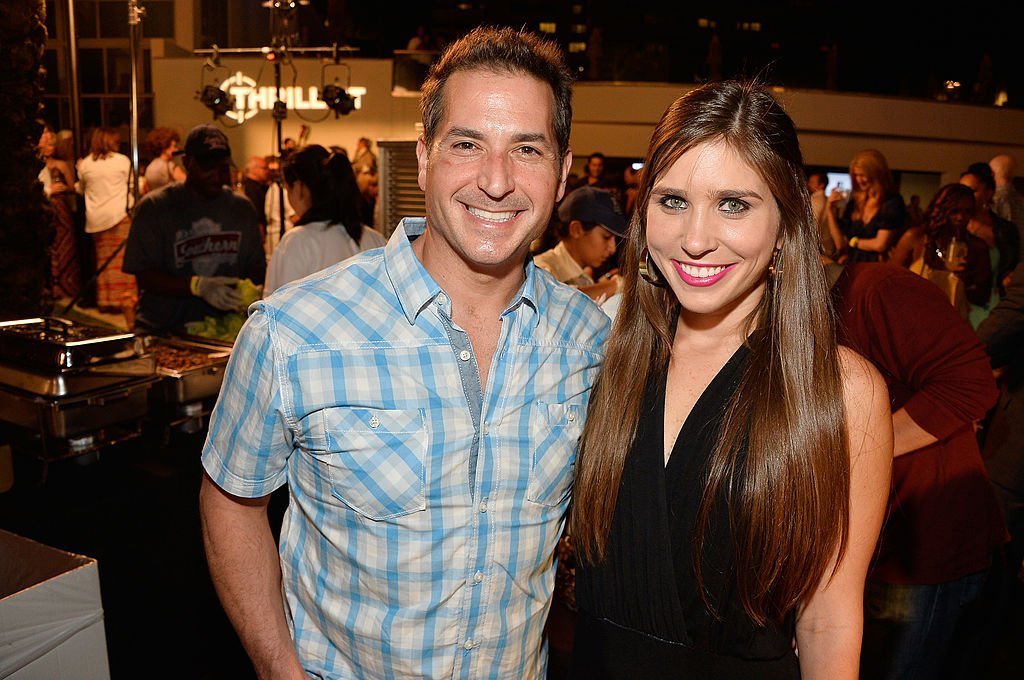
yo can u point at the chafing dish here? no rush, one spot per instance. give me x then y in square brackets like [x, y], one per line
[64, 382]
[51, 344]
[192, 370]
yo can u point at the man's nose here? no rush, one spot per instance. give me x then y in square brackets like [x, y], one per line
[495, 176]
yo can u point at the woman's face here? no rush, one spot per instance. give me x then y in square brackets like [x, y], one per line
[712, 224]
[861, 180]
[961, 214]
[47, 143]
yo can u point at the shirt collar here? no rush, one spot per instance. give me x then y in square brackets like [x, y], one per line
[415, 287]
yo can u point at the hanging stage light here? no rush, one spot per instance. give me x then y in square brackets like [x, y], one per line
[334, 95]
[337, 100]
[215, 99]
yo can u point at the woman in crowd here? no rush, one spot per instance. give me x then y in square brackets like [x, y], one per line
[103, 178]
[874, 216]
[1000, 236]
[58, 153]
[944, 252]
[162, 170]
[735, 463]
[322, 189]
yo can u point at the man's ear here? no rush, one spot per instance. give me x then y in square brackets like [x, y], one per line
[566, 164]
[421, 163]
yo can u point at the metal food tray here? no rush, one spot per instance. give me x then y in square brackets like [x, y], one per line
[193, 383]
[64, 417]
[55, 344]
[66, 383]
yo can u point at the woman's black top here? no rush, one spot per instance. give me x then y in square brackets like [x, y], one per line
[640, 614]
[891, 215]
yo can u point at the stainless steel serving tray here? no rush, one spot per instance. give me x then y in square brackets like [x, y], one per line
[65, 417]
[192, 370]
[52, 344]
[62, 384]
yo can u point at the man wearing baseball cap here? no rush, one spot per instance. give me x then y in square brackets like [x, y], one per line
[191, 241]
[590, 222]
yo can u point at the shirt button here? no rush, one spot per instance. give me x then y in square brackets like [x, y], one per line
[465, 355]
[478, 577]
[483, 506]
[572, 416]
[441, 300]
[487, 429]
[374, 422]
[468, 644]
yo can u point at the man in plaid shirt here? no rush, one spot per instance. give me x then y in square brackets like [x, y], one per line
[422, 402]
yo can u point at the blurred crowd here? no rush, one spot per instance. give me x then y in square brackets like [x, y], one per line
[203, 224]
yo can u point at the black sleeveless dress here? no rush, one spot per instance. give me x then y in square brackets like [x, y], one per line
[640, 615]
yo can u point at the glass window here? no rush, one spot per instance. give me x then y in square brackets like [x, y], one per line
[51, 20]
[52, 111]
[91, 115]
[85, 19]
[119, 70]
[159, 20]
[116, 111]
[213, 23]
[90, 70]
[114, 19]
[147, 72]
[50, 63]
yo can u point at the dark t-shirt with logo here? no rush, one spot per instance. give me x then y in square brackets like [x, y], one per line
[177, 233]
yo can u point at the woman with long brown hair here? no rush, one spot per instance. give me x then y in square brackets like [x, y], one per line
[874, 216]
[735, 463]
[944, 252]
[103, 177]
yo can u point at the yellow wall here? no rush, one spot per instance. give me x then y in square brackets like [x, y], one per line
[617, 118]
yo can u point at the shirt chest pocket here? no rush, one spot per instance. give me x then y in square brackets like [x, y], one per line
[376, 459]
[555, 430]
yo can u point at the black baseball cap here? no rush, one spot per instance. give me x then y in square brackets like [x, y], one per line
[206, 144]
[593, 205]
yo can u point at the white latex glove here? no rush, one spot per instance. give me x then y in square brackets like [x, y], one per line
[218, 291]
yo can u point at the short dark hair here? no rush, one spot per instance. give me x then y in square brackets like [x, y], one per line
[596, 154]
[501, 50]
[983, 172]
[332, 187]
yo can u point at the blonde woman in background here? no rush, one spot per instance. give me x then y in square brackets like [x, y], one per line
[874, 216]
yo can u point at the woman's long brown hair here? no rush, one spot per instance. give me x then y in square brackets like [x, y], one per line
[104, 142]
[788, 497]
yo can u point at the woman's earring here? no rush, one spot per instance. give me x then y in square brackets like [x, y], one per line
[775, 266]
[649, 271]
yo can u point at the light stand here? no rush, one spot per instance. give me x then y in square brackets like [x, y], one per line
[135, 14]
[282, 22]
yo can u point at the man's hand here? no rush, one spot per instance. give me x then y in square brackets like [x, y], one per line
[219, 291]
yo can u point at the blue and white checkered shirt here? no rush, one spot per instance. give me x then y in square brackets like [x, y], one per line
[354, 387]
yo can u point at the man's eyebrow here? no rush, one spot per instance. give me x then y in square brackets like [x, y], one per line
[531, 137]
[472, 133]
[464, 132]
